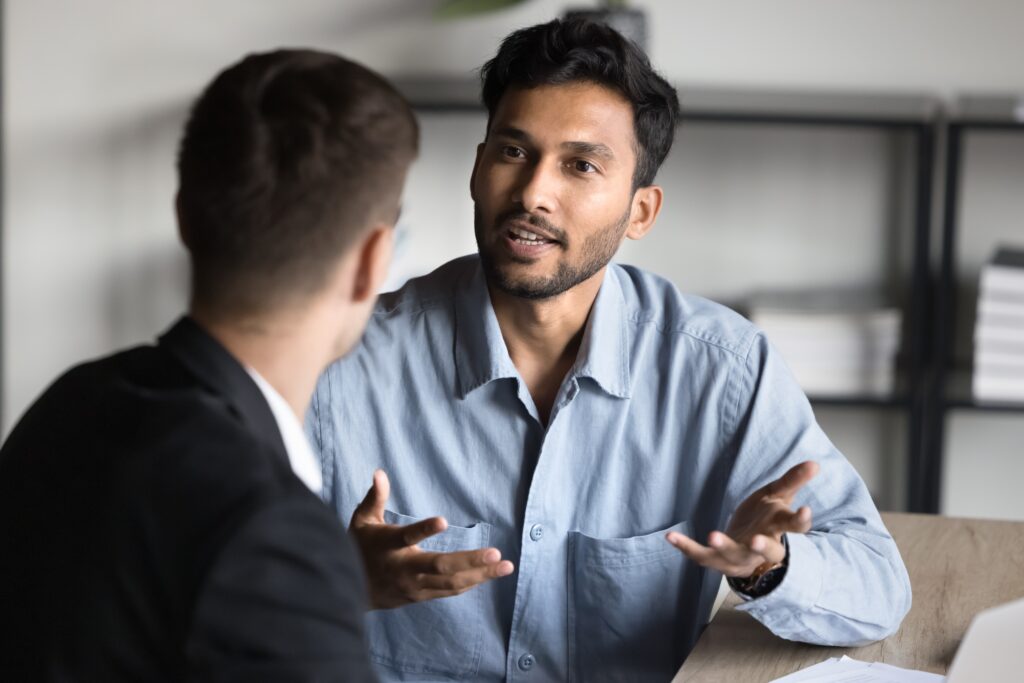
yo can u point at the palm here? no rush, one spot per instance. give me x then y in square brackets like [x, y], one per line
[760, 513]
[399, 571]
[755, 532]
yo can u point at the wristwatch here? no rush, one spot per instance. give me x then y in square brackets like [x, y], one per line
[765, 578]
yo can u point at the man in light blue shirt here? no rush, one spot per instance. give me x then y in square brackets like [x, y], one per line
[619, 444]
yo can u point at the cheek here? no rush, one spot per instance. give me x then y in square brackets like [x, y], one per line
[593, 207]
[485, 185]
[499, 178]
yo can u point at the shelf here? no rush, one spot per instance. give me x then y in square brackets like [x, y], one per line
[441, 94]
[997, 112]
[986, 406]
[958, 397]
[861, 401]
[806, 107]
[454, 94]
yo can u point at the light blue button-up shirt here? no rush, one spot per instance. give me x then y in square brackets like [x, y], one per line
[675, 411]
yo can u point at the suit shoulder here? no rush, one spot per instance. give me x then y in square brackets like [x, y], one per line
[76, 399]
[144, 415]
[100, 374]
[652, 301]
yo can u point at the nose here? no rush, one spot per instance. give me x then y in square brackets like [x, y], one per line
[538, 187]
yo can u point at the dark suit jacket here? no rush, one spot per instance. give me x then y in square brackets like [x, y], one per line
[151, 529]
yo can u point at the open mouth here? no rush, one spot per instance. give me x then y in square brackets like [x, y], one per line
[528, 238]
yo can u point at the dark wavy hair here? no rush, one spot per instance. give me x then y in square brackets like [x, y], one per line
[287, 157]
[578, 50]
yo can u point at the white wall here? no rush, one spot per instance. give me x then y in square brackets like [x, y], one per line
[96, 91]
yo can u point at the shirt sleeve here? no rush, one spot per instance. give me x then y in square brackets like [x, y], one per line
[846, 583]
[284, 601]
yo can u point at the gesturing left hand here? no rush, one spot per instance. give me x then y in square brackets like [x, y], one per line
[755, 533]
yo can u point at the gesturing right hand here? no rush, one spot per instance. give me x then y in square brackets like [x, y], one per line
[399, 572]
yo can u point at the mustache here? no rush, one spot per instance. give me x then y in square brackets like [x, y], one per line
[520, 214]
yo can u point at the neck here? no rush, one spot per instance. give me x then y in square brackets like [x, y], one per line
[286, 348]
[543, 336]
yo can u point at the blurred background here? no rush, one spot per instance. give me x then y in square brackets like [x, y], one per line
[844, 174]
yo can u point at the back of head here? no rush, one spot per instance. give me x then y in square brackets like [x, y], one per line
[578, 50]
[287, 158]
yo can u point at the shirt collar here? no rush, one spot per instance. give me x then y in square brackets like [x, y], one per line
[480, 352]
[481, 355]
[300, 454]
[604, 352]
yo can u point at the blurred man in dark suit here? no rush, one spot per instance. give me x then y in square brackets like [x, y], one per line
[159, 509]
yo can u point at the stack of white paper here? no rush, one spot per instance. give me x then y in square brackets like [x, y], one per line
[848, 670]
[999, 329]
[835, 343]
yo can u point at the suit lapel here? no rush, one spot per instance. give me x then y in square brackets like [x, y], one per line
[221, 373]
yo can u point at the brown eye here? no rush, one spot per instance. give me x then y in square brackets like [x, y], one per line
[584, 166]
[512, 152]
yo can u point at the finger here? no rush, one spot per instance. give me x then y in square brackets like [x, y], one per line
[709, 557]
[735, 553]
[449, 585]
[464, 580]
[800, 521]
[453, 563]
[784, 520]
[767, 548]
[793, 480]
[371, 509]
[692, 549]
[420, 531]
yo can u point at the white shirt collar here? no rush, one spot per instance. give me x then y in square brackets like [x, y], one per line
[300, 454]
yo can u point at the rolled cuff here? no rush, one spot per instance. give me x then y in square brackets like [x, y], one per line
[799, 589]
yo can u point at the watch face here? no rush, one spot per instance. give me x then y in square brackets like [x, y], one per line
[768, 581]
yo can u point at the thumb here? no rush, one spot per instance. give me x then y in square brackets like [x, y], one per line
[371, 509]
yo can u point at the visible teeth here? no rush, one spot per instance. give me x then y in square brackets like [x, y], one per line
[525, 234]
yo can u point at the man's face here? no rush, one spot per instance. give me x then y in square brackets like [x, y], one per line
[553, 187]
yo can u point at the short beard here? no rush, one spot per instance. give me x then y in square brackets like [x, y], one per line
[596, 253]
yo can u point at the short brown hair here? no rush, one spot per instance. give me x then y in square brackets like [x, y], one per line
[287, 157]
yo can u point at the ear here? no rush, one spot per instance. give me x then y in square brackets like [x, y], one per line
[476, 165]
[373, 260]
[644, 211]
[182, 228]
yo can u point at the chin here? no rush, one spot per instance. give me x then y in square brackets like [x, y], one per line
[533, 288]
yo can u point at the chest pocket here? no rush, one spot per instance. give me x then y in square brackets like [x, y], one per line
[438, 637]
[628, 600]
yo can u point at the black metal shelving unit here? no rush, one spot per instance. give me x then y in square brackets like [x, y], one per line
[909, 115]
[3, 154]
[901, 114]
[914, 116]
[950, 384]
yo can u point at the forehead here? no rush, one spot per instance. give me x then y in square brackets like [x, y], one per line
[574, 112]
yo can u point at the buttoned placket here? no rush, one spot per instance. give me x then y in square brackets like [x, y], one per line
[537, 538]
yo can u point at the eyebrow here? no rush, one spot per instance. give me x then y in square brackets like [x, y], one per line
[576, 146]
[512, 133]
[590, 149]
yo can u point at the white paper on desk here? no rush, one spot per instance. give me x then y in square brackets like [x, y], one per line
[848, 670]
[829, 666]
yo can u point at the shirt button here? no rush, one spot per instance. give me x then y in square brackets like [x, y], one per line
[536, 532]
[526, 662]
